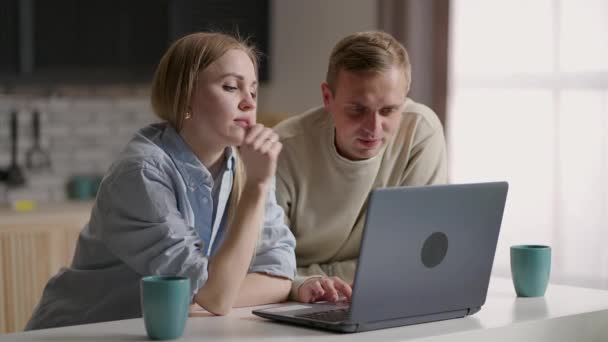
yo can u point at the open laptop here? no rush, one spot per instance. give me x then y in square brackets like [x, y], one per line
[426, 255]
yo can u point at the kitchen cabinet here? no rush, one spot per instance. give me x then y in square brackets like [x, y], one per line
[113, 41]
[33, 247]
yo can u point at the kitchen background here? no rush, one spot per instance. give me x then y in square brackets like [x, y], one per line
[81, 135]
[84, 126]
[522, 93]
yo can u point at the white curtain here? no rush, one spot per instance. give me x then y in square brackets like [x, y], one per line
[528, 103]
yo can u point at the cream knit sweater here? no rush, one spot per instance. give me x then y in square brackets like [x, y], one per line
[324, 195]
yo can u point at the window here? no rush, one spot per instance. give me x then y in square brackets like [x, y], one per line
[529, 104]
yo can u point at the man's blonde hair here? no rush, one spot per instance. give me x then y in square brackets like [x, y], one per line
[175, 81]
[374, 51]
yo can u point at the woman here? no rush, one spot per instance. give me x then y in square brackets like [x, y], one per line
[182, 200]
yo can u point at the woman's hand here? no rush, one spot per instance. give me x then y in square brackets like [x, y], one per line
[259, 152]
[331, 289]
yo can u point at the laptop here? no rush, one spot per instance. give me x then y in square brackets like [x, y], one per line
[426, 255]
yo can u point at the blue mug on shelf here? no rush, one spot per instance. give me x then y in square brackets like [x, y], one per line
[83, 187]
[79, 187]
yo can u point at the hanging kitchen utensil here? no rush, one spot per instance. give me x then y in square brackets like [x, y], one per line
[13, 175]
[36, 157]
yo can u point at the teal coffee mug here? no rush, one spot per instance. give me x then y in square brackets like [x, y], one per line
[165, 301]
[530, 269]
[79, 187]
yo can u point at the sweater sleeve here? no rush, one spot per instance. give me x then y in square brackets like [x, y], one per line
[428, 161]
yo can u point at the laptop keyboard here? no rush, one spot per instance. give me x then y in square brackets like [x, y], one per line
[336, 315]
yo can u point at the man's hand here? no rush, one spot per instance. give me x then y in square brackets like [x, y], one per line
[318, 289]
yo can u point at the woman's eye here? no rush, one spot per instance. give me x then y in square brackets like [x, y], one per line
[229, 88]
[254, 95]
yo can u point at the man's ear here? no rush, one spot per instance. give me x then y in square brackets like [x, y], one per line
[328, 95]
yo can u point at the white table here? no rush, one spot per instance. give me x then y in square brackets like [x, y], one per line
[564, 314]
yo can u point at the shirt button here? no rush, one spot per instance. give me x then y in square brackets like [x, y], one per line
[205, 200]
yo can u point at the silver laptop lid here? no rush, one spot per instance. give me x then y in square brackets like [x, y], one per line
[427, 250]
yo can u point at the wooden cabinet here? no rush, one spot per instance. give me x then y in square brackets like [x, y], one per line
[33, 247]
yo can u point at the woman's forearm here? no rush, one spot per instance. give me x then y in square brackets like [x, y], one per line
[258, 289]
[228, 268]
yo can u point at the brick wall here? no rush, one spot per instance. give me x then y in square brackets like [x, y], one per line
[82, 134]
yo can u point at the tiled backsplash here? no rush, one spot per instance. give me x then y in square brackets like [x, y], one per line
[83, 135]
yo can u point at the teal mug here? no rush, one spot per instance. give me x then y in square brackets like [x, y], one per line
[165, 301]
[79, 187]
[530, 269]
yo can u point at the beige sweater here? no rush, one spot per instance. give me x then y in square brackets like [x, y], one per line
[325, 195]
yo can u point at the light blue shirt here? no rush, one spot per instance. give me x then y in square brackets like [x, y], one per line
[155, 214]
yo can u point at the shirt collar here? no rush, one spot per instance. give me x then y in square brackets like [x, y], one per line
[194, 172]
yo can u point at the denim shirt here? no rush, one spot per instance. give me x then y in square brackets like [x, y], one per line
[154, 215]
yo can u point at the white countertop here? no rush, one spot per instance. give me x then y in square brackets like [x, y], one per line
[564, 314]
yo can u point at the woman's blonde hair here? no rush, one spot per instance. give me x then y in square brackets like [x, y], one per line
[176, 75]
[175, 81]
[375, 51]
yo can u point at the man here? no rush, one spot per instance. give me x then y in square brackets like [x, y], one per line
[367, 135]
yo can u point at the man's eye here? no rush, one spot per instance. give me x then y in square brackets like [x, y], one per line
[387, 111]
[229, 88]
[357, 110]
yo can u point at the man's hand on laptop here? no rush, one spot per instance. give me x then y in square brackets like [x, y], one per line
[321, 289]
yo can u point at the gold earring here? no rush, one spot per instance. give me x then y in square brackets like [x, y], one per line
[188, 115]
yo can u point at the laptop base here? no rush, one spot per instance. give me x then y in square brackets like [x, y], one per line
[351, 327]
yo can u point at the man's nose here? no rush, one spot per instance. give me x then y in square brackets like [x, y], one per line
[372, 122]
